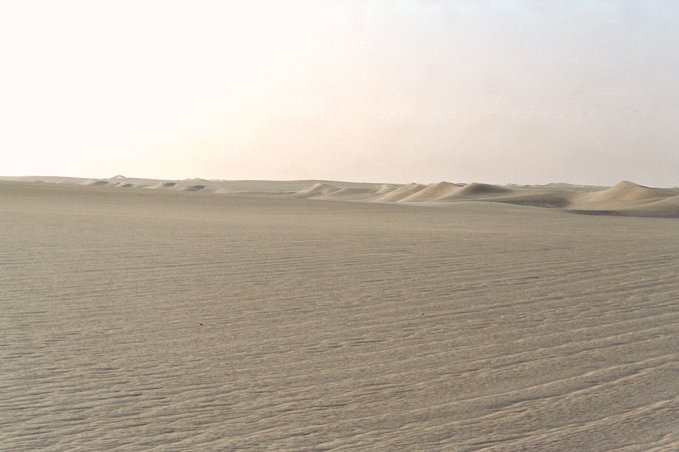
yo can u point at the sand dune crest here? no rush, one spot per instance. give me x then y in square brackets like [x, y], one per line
[318, 189]
[400, 193]
[626, 191]
[434, 192]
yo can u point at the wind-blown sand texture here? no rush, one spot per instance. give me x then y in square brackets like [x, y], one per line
[271, 316]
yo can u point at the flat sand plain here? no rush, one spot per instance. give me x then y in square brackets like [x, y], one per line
[180, 319]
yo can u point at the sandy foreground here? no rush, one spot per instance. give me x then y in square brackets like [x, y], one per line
[277, 316]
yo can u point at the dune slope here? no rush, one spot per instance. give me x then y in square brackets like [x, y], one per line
[399, 193]
[433, 192]
[626, 191]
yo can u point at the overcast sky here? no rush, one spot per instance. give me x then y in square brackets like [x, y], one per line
[392, 91]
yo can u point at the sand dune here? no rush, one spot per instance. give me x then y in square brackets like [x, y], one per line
[476, 189]
[175, 185]
[164, 184]
[627, 198]
[238, 322]
[330, 192]
[352, 194]
[96, 182]
[448, 192]
[434, 192]
[665, 207]
[196, 180]
[385, 188]
[399, 193]
[626, 192]
[537, 199]
[196, 187]
[624, 198]
[318, 189]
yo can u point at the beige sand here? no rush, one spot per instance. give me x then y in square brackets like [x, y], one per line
[625, 198]
[163, 318]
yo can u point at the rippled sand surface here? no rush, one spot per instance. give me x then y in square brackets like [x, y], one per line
[178, 320]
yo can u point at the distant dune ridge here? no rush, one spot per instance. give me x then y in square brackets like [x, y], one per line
[625, 198]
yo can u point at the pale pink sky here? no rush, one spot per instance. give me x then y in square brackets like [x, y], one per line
[397, 91]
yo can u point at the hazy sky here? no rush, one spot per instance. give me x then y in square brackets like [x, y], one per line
[394, 91]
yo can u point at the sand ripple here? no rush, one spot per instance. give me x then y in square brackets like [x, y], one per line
[141, 319]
